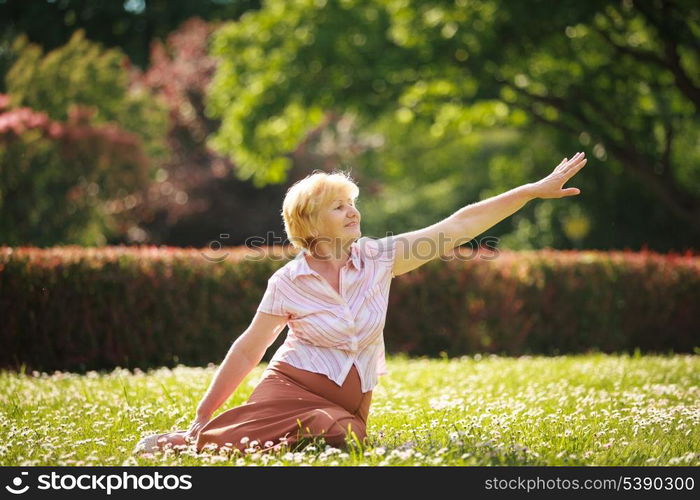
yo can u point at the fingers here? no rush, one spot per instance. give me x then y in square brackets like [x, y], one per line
[194, 430]
[572, 169]
[191, 433]
[575, 164]
[191, 436]
[576, 158]
[567, 164]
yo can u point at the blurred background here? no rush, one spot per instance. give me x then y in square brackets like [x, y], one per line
[173, 122]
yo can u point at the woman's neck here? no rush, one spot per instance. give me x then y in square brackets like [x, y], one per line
[325, 258]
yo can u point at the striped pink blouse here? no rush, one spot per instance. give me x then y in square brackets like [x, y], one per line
[329, 332]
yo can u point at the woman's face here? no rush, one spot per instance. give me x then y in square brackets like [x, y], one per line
[339, 222]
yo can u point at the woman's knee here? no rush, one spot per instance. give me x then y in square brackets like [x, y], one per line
[333, 425]
[347, 428]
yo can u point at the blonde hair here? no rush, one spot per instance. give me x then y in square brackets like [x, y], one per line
[305, 199]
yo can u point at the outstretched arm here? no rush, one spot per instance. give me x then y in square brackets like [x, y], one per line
[415, 248]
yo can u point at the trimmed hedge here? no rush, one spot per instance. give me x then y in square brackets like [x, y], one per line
[548, 302]
[77, 309]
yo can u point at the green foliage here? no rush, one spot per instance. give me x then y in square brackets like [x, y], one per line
[422, 177]
[76, 144]
[83, 73]
[62, 182]
[130, 25]
[591, 76]
[29, 214]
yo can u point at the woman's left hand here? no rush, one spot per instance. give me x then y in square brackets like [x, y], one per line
[196, 426]
[551, 186]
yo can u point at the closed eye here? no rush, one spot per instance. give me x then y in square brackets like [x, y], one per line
[341, 206]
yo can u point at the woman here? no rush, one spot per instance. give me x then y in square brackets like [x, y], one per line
[333, 296]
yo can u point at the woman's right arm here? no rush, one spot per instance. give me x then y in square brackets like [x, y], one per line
[244, 355]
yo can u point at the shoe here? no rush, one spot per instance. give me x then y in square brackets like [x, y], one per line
[149, 444]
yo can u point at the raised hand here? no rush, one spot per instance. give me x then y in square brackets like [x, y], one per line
[551, 186]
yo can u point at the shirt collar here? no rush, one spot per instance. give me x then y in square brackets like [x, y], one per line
[300, 266]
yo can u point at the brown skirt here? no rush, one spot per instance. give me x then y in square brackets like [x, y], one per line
[293, 406]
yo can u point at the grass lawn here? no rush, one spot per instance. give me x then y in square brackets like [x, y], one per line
[570, 410]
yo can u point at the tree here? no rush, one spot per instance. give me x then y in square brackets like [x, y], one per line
[59, 180]
[97, 78]
[195, 196]
[571, 68]
[129, 25]
[77, 144]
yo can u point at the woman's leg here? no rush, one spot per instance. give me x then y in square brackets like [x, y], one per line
[284, 397]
